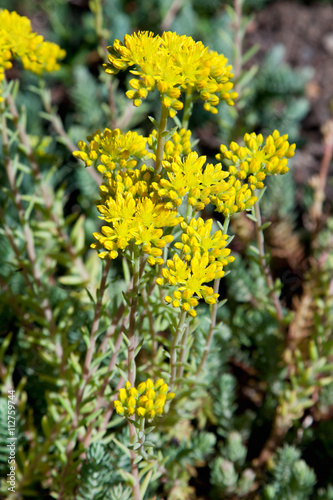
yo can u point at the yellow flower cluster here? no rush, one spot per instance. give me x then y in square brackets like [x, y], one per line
[202, 259]
[173, 64]
[254, 161]
[137, 219]
[146, 401]
[128, 201]
[18, 41]
[178, 145]
[249, 166]
[196, 237]
[111, 148]
[187, 176]
[137, 203]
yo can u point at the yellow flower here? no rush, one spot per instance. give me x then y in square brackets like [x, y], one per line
[172, 64]
[202, 258]
[149, 404]
[249, 166]
[112, 149]
[203, 184]
[254, 161]
[189, 277]
[139, 220]
[18, 41]
[141, 411]
[197, 237]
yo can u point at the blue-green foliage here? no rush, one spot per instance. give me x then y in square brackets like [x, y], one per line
[293, 479]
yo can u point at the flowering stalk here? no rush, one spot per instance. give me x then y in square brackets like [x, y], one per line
[177, 336]
[213, 313]
[131, 366]
[265, 267]
[87, 372]
[161, 138]
[184, 353]
[134, 466]
[132, 336]
[142, 403]
[187, 108]
[148, 313]
[141, 434]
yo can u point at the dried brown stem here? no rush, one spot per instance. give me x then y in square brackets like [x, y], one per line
[316, 210]
[238, 41]
[171, 14]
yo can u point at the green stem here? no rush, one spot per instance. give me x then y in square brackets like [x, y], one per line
[87, 372]
[264, 265]
[187, 108]
[132, 335]
[173, 355]
[189, 212]
[141, 450]
[148, 313]
[184, 352]
[161, 139]
[213, 313]
[226, 224]
[133, 340]
[134, 466]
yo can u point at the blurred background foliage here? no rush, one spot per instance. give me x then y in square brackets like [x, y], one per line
[264, 383]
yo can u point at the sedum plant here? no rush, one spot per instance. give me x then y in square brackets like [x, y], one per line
[122, 348]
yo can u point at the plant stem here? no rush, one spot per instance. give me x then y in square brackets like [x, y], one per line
[210, 335]
[133, 340]
[173, 354]
[226, 224]
[141, 450]
[189, 212]
[96, 320]
[101, 391]
[316, 210]
[101, 34]
[87, 373]
[132, 335]
[184, 352]
[171, 14]
[265, 267]
[160, 139]
[148, 313]
[238, 41]
[187, 108]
